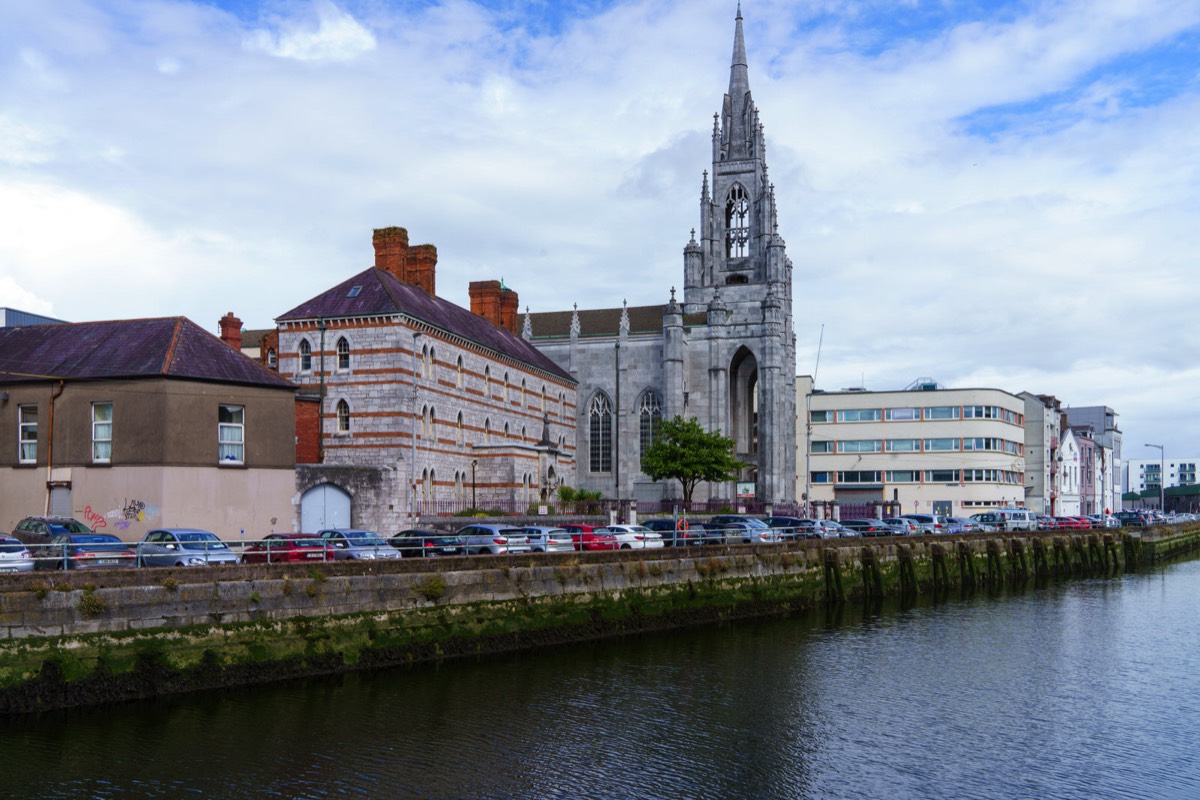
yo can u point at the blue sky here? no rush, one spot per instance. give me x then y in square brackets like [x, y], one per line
[988, 193]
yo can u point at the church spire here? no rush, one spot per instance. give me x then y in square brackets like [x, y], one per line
[739, 107]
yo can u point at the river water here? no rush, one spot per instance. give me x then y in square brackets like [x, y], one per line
[1083, 690]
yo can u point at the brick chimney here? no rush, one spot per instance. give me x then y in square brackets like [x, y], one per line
[231, 331]
[496, 303]
[416, 265]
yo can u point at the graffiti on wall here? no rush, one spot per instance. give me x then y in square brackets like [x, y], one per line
[124, 515]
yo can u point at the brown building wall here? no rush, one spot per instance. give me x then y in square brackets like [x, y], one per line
[155, 422]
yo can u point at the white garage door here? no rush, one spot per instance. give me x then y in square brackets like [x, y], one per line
[324, 506]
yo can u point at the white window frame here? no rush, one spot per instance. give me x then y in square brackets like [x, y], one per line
[27, 434]
[231, 436]
[304, 355]
[101, 441]
[343, 354]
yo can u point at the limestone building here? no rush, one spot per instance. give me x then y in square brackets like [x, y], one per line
[724, 353]
[425, 407]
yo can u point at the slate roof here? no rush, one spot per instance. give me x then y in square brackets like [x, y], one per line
[170, 347]
[380, 294]
[605, 321]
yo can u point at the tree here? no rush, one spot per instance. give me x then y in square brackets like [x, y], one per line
[684, 451]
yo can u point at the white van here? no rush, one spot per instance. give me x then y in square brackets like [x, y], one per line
[1018, 519]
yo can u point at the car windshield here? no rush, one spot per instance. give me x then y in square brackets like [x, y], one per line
[95, 538]
[68, 527]
[9, 546]
[201, 540]
[303, 541]
[364, 539]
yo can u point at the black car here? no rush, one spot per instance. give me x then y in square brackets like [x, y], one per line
[794, 527]
[868, 527]
[677, 533]
[37, 530]
[425, 544]
[1132, 519]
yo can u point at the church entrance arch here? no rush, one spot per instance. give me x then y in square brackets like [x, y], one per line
[324, 506]
[743, 404]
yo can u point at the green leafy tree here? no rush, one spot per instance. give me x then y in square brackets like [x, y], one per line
[685, 452]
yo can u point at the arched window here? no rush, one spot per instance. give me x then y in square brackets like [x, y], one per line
[305, 356]
[542, 407]
[272, 361]
[523, 433]
[487, 431]
[649, 417]
[458, 429]
[459, 373]
[523, 395]
[433, 423]
[737, 223]
[432, 365]
[505, 396]
[343, 416]
[506, 431]
[600, 413]
[458, 487]
[343, 354]
[424, 434]
[487, 382]
[425, 362]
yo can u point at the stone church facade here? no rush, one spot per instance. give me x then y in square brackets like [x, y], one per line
[724, 353]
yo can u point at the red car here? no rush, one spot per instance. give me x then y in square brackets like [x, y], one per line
[586, 537]
[287, 548]
[1071, 524]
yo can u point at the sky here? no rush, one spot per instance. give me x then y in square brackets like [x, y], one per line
[986, 193]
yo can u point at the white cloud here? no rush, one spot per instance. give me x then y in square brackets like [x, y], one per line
[337, 36]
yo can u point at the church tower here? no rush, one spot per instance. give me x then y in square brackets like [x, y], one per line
[738, 273]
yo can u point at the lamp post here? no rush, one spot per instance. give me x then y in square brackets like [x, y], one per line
[1162, 478]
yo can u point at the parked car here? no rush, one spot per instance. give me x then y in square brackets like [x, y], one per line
[588, 537]
[494, 539]
[1046, 523]
[1070, 524]
[902, 526]
[818, 528]
[84, 551]
[353, 544]
[968, 525]
[634, 536]
[680, 532]
[792, 527]
[743, 532]
[184, 547]
[14, 555]
[868, 527]
[427, 544]
[930, 523]
[1135, 519]
[34, 530]
[287, 548]
[547, 539]
[725, 519]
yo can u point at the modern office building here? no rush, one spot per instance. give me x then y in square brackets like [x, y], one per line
[927, 448]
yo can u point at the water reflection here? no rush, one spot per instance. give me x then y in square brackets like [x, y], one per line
[1080, 691]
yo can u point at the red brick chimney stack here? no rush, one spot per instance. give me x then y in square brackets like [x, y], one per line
[231, 331]
[416, 265]
[496, 303]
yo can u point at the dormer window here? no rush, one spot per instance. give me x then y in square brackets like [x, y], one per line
[354, 291]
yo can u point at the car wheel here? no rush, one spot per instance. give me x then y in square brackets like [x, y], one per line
[625, 547]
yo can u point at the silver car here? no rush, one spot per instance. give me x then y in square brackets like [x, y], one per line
[352, 544]
[184, 547]
[494, 539]
[545, 539]
[14, 555]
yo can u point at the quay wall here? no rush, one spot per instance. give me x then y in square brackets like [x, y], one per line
[73, 639]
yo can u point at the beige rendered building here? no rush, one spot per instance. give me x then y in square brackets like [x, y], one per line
[929, 449]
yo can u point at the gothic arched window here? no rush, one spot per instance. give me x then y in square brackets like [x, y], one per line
[343, 353]
[737, 223]
[600, 426]
[343, 416]
[305, 356]
[649, 417]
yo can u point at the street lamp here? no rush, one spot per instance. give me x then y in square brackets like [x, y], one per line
[1162, 478]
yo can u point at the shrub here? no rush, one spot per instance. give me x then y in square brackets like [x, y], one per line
[432, 588]
[90, 605]
[170, 584]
